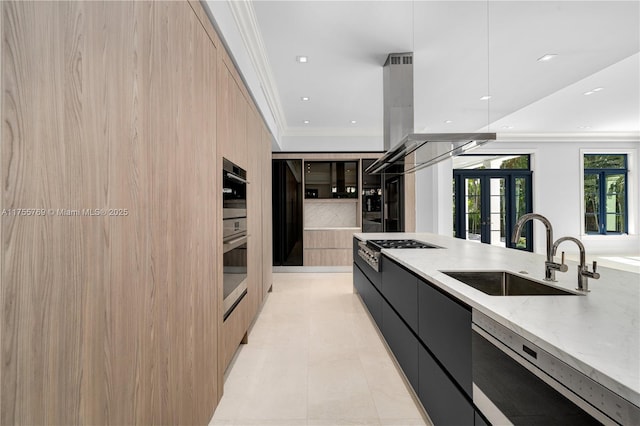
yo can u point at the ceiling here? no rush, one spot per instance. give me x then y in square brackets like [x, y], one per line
[463, 50]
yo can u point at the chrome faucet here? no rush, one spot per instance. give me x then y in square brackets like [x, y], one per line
[583, 271]
[550, 267]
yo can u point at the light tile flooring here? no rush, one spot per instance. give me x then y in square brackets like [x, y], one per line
[314, 358]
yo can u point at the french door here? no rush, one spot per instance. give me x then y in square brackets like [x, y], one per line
[487, 204]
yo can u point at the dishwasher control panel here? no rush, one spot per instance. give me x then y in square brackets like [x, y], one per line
[556, 373]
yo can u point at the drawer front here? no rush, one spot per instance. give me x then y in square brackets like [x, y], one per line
[402, 342]
[445, 328]
[444, 403]
[400, 288]
[369, 295]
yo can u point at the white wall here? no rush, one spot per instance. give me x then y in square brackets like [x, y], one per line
[557, 193]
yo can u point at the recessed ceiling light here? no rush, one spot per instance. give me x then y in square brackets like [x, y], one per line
[547, 57]
[353, 121]
[485, 98]
[305, 98]
[302, 59]
[448, 121]
[584, 127]
[507, 127]
[592, 91]
[306, 121]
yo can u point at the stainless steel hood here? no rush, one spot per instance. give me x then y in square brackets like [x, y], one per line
[429, 148]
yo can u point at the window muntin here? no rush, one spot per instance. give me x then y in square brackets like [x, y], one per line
[605, 193]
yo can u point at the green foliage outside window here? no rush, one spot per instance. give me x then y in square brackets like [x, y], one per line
[605, 193]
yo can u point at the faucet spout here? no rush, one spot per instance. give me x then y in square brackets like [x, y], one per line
[583, 270]
[549, 273]
[575, 240]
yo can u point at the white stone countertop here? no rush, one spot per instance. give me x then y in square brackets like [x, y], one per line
[597, 334]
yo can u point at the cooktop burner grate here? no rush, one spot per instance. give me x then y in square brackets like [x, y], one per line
[397, 244]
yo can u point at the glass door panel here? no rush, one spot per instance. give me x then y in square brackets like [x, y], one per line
[497, 212]
[521, 208]
[473, 212]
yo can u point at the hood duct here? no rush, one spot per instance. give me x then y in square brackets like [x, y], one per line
[430, 148]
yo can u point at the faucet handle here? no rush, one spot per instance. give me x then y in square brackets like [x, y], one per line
[553, 266]
[595, 275]
[563, 267]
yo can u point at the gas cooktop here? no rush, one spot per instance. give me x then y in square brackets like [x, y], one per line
[397, 244]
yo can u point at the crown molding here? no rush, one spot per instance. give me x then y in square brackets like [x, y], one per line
[244, 15]
[569, 137]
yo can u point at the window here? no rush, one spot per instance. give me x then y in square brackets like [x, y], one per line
[605, 193]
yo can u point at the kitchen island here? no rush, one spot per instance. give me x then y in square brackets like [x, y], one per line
[595, 334]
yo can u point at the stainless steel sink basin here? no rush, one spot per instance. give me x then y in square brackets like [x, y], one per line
[503, 283]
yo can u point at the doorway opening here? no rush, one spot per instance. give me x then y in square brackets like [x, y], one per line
[490, 193]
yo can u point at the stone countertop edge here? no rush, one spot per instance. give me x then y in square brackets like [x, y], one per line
[597, 334]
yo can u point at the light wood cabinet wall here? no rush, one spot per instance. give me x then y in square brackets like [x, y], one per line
[254, 212]
[267, 214]
[118, 105]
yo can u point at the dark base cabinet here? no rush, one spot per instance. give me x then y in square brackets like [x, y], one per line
[445, 328]
[429, 334]
[402, 342]
[442, 400]
[400, 288]
[369, 295]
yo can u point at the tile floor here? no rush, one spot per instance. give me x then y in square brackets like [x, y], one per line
[314, 358]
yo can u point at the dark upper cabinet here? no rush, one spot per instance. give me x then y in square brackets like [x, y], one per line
[445, 328]
[400, 288]
[331, 179]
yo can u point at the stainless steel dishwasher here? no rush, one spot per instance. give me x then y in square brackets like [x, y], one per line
[516, 382]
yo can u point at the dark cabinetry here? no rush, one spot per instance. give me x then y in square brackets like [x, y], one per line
[445, 328]
[443, 401]
[369, 295]
[400, 288]
[429, 334]
[402, 342]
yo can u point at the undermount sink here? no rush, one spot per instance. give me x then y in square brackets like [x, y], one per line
[503, 283]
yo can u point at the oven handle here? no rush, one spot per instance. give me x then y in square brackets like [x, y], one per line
[237, 178]
[231, 244]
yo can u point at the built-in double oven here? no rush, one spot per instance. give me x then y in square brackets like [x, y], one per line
[234, 243]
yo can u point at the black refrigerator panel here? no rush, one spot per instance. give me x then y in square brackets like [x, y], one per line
[393, 203]
[287, 212]
[371, 200]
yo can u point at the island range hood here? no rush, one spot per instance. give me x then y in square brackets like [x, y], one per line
[429, 148]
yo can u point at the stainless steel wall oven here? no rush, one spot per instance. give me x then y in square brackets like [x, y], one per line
[234, 243]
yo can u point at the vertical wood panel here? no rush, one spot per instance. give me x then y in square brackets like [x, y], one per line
[108, 319]
[267, 209]
[254, 214]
